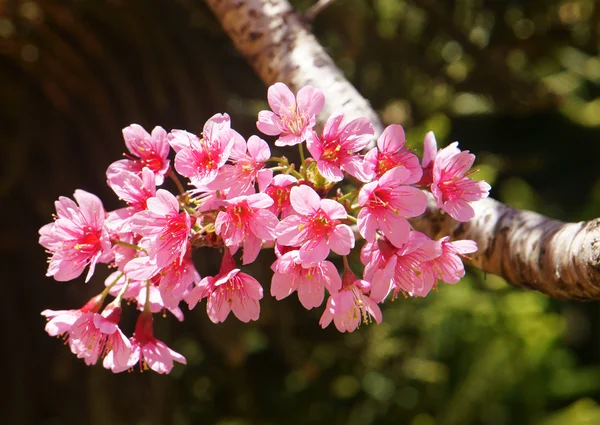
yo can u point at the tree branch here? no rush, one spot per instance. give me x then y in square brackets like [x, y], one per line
[529, 250]
[279, 47]
[561, 260]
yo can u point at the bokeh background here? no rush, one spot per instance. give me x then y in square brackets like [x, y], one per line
[516, 82]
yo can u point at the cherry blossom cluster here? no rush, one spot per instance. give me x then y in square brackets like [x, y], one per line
[239, 200]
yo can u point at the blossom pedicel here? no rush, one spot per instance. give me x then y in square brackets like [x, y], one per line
[236, 199]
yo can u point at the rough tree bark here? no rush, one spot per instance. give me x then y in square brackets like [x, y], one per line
[529, 250]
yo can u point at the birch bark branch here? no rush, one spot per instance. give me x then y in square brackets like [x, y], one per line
[561, 260]
[529, 250]
[278, 45]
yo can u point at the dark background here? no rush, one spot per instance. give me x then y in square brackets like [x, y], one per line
[516, 82]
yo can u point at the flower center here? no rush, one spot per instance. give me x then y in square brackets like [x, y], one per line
[280, 196]
[176, 224]
[321, 224]
[449, 189]
[379, 198]
[295, 124]
[90, 236]
[331, 151]
[153, 162]
[385, 162]
[239, 212]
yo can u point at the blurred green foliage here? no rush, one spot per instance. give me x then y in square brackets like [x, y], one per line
[516, 82]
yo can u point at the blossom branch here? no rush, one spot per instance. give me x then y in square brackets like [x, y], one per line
[559, 259]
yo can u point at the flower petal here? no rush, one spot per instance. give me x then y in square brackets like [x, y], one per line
[304, 200]
[281, 100]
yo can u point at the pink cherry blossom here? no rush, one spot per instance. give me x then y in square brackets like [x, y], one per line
[317, 228]
[350, 306]
[414, 273]
[93, 335]
[135, 189]
[386, 202]
[145, 349]
[147, 150]
[248, 168]
[390, 153]
[230, 290]
[172, 282]
[290, 276]
[380, 260]
[292, 118]
[233, 200]
[452, 189]
[61, 321]
[200, 159]
[279, 190]
[176, 280]
[165, 229]
[247, 221]
[337, 149]
[77, 238]
[449, 267]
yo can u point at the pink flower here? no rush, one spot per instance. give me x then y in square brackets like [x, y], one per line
[230, 290]
[413, 271]
[135, 189]
[247, 221]
[317, 228]
[386, 203]
[452, 189]
[176, 280]
[248, 168]
[146, 350]
[414, 274]
[61, 321]
[165, 229]
[92, 335]
[348, 307]
[292, 118]
[172, 282]
[279, 191]
[77, 237]
[200, 159]
[391, 153]
[147, 151]
[310, 282]
[336, 150]
[380, 265]
[449, 267]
